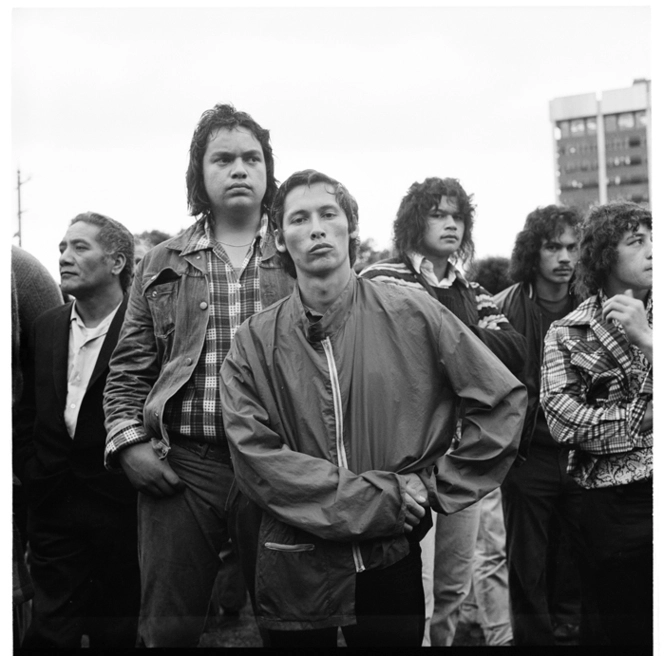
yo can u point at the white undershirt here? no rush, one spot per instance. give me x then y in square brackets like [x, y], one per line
[84, 347]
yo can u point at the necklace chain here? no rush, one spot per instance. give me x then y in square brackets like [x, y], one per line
[236, 245]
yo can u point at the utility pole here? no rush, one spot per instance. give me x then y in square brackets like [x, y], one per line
[19, 184]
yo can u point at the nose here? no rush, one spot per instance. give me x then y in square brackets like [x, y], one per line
[317, 228]
[449, 223]
[65, 256]
[239, 170]
[565, 255]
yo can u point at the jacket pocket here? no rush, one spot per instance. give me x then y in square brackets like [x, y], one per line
[292, 548]
[161, 300]
[292, 583]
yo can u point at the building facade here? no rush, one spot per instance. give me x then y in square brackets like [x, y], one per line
[602, 146]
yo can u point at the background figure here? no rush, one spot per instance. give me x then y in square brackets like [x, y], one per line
[432, 232]
[165, 426]
[543, 262]
[81, 519]
[597, 393]
[33, 291]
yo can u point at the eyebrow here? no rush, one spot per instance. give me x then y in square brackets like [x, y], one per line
[225, 151]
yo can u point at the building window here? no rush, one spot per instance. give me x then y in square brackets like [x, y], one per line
[610, 123]
[642, 119]
[591, 125]
[626, 121]
[564, 128]
[578, 126]
[634, 142]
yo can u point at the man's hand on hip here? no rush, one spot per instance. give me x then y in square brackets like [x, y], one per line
[147, 472]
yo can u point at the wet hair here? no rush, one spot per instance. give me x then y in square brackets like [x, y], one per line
[542, 225]
[343, 197]
[114, 238]
[602, 230]
[211, 121]
[411, 223]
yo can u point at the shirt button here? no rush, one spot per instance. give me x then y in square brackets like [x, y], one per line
[188, 360]
[156, 414]
[73, 405]
[203, 305]
[154, 293]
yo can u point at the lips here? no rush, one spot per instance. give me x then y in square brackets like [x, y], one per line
[562, 271]
[320, 247]
[239, 187]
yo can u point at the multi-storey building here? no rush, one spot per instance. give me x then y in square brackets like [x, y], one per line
[602, 144]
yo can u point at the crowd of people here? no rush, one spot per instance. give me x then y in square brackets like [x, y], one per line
[365, 451]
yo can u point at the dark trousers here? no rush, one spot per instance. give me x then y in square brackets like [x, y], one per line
[84, 566]
[617, 523]
[535, 495]
[389, 605]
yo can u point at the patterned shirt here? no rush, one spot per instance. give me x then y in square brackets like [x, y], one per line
[234, 296]
[595, 390]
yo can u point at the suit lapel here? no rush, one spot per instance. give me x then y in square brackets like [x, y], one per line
[110, 340]
[60, 345]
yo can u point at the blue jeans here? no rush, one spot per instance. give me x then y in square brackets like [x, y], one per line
[469, 549]
[180, 538]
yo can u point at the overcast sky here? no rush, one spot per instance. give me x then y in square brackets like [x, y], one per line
[104, 102]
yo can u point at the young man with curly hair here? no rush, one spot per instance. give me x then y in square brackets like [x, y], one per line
[597, 394]
[541, 501]
[164, 420]
[340, 404]
[432, 234]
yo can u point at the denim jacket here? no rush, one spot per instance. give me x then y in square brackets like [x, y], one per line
[163, 336]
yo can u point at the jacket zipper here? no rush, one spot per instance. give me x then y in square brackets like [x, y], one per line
[342, 460]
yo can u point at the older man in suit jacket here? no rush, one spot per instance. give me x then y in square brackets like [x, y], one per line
[81, 518]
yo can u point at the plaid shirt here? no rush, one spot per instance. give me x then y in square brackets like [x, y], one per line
[234, 296]
[594, 392]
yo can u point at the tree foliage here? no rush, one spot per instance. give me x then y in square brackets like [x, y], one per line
[491, 272]
[367, 254]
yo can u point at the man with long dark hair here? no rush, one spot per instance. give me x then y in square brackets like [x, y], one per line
[165, 427]
[597, 394]
[340, 403]
[541, 501]
[433, 237]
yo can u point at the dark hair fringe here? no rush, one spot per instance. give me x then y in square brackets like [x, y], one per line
[542, 225]
[223, 116]
[602, 229]
[410, 225]
[343, 197]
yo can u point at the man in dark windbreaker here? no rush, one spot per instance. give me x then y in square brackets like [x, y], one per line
[339, 404]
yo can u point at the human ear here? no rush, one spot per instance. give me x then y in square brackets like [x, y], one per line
[119, 261]
[279, 240]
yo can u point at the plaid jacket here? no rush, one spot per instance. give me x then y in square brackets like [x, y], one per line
[589, 402]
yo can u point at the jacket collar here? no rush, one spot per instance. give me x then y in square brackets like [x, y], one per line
[452, 273]
[333, 319]
[197, 237]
